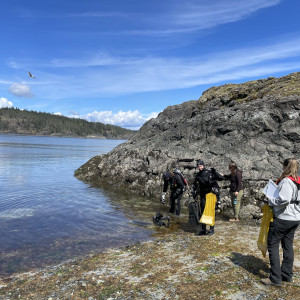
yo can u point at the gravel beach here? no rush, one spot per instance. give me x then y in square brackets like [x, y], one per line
[175, 265]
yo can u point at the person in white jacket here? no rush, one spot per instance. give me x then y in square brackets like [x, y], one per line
[286, 209]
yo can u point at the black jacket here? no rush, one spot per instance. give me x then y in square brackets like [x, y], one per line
[235, 181]
[175, 182]
[205, 181]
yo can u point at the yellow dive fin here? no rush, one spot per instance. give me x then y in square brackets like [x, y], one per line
[262, 242]
[208, 216]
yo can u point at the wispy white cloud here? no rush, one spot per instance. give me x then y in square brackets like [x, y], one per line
[13, 64]
[169, 17]
[5, 82]
[134, 75]
[21, 90]
[99, 59]
[197, 15]
[205, 14]
[97, 14]
[5, 103]
[154, 74]
[121, 75]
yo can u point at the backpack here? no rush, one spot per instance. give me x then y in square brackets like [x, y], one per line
[185, 183]
[297, 200]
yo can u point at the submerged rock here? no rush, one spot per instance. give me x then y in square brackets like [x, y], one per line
[255, 124]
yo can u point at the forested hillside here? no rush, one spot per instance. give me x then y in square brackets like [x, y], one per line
[16, 121]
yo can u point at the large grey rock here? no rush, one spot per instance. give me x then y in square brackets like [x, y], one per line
[220, 127]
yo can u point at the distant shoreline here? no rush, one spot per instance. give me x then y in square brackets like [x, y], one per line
[64, 136]
[32, 123]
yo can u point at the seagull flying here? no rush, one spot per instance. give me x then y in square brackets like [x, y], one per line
[30, 75]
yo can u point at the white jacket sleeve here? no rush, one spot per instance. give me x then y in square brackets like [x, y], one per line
[285, 195]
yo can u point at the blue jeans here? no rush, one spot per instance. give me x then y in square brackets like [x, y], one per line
[281, 231]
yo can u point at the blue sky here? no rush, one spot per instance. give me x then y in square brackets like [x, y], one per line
[123, 61]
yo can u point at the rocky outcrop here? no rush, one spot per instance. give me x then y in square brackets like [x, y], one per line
[255, 124]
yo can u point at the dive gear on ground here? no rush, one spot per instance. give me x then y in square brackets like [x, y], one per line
[160, 220]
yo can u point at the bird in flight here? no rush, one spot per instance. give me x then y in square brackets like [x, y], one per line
[30, 75]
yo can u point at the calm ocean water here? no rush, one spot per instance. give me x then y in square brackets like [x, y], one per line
[47, 215]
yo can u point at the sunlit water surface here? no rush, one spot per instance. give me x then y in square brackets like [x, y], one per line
[47, 215]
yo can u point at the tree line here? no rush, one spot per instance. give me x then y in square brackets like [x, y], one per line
[17, 121]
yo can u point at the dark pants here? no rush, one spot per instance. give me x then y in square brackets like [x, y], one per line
[202, 206]
[175, 202]
[281, 231]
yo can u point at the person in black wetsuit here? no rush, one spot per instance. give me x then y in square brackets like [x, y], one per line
[205, 182]
[175, 181]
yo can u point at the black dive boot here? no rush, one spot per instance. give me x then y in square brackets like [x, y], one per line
[203, 230]
[211, 231]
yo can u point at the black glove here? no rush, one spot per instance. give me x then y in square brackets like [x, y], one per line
[215, 191]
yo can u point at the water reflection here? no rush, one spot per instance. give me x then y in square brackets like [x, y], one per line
[47, 215]
[122, 221]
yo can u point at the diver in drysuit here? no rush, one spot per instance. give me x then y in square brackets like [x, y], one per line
[175, 180]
